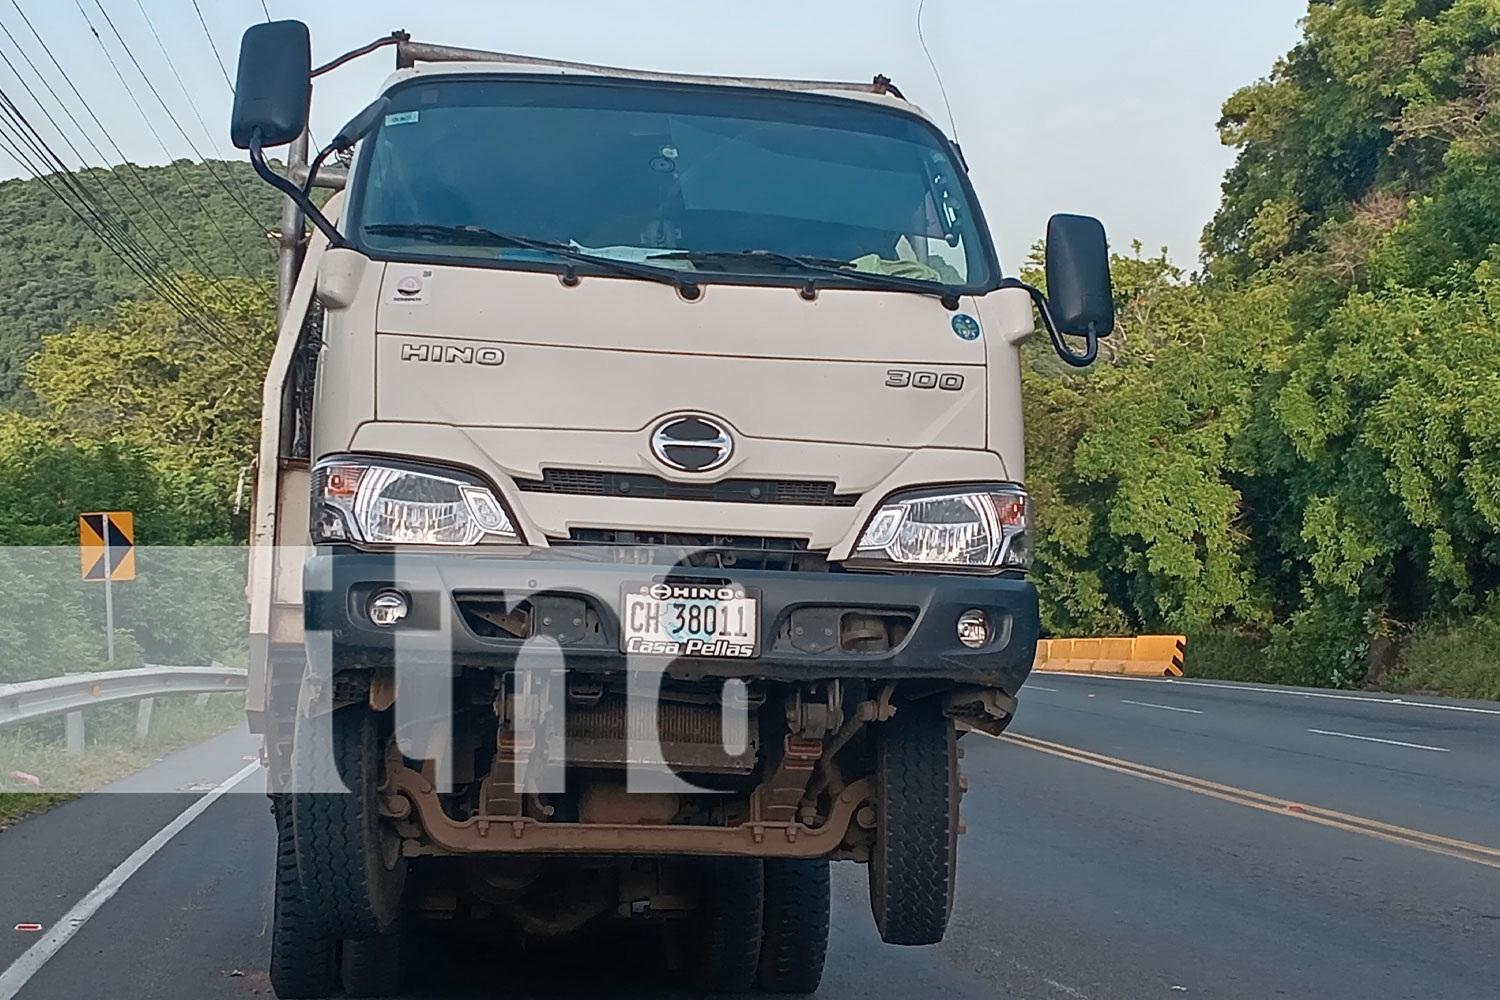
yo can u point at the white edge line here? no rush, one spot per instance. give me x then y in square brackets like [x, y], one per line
[1376, 739]
[1168, 708]
[13, 979]
[1260, 689]
[1037, 687]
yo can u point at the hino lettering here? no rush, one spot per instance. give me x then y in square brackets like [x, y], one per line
[449, 354]
[675, 592]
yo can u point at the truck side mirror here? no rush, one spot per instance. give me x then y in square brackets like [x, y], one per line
[273, 89]
[1079, 290]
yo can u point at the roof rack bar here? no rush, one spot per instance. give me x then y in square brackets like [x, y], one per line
[394, 38]
[409, 53]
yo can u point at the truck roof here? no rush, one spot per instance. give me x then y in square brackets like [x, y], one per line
[432, 61]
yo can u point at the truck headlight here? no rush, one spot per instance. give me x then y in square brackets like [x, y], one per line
[358, 500]
[978, 527]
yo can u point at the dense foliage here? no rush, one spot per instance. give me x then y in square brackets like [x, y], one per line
[207, 218]
[1302, 444]
[147, 413]
[116, 402]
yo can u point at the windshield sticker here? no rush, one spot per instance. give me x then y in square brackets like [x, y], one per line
[404, 118]
[412, 288]
[966, 326]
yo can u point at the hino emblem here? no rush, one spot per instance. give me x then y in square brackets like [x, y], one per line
[691, 444]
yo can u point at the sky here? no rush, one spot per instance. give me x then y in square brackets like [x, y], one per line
[1099, 107]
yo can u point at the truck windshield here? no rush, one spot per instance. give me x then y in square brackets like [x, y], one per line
[711, 180]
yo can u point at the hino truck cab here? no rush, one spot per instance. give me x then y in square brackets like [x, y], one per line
[639, 519]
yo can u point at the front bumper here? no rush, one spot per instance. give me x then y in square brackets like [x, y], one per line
[574, 604]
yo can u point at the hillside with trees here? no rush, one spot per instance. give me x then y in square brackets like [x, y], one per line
[1295, 456]
[55, 272]
[110, 399]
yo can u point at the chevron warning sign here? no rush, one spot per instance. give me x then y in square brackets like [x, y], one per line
[118, 528]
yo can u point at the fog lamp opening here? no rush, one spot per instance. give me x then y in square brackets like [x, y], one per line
[974, 629]
[387, 607]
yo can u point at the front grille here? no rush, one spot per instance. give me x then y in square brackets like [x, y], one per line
[700, 551]
[594, 483]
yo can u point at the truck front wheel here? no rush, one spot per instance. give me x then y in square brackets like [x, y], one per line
[349, 860]
[304, 958]
[726, 930]
[915, 860]
[796, 926]
[374, 967]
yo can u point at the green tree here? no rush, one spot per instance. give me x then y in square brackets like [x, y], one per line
[1374, 99]
[152, 381]
[55, 273]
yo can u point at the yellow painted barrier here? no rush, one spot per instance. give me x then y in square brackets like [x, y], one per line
[1142, 656]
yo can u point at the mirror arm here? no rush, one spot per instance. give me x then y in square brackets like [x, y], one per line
[314, 167]
[297, 194]
[1091, 350]
[357, 128]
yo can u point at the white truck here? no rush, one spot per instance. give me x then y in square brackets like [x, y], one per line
[639, 519]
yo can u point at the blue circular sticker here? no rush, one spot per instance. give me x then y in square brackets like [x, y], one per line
[966, 326]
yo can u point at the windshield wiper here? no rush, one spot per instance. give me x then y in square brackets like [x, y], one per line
[479, 236]
[808, 264]
[719, 257]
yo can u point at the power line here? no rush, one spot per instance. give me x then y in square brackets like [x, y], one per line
[214, 222]
[210, 35]
[192, 104]
[58, 175]
[139, 255]
[83, 171]
[249, 212]
[17, 135]
[952, 125]
[140, 239]
[128, 171]
[266, 9]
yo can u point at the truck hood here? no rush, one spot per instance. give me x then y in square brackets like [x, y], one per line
[487, 348]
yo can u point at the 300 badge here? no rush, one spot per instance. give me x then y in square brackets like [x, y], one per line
[902, 378]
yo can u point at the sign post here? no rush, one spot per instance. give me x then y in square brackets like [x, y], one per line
[109, 614]
[107, 553]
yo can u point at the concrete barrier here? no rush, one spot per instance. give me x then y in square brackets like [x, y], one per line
[1142, 656]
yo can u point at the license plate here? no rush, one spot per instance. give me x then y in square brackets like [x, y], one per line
[689, 619]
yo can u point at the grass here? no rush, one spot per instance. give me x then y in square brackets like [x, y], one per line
[112, 751]
[1227, 656]
[1459, 660]
[1450, 659]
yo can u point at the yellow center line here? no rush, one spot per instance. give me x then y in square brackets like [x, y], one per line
[1463, 850]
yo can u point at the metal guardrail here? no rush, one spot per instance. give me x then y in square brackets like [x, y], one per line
[70, 694]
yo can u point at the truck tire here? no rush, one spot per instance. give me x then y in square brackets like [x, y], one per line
[304, 959]
[796, 926]
[350, 862]
[373, 967]
[915, 860]
[728, 925]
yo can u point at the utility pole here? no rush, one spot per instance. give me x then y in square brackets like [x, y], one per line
[292, 221]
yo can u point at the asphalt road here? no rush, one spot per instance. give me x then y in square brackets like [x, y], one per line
[1135, 839]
